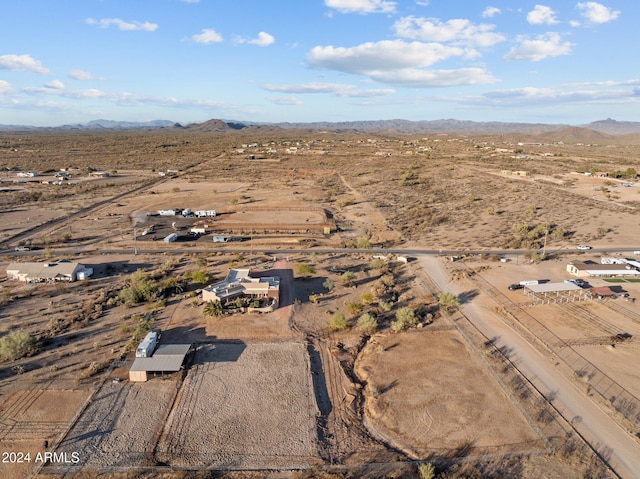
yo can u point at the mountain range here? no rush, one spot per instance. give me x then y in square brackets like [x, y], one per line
[608, 126]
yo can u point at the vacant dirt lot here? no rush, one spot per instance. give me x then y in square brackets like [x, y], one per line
[441, 397]
[244, 406]
[117, 428]
[30, 417]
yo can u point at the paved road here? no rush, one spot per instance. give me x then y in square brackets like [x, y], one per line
[589, 420]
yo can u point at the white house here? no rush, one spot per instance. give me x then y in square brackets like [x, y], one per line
[240, 283]
[47, 272]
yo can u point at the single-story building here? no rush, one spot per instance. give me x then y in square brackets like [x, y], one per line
[239, 282]
[168, 358]
[589, 269]
[48, 272]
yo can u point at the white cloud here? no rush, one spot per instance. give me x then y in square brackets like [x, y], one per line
[424, 3]
[542, 14]
[491, 12]
[397, 62]
[122, 25]
[457, 31]
[263, 40]
[362, 6]
[418, 78]
[379, 56]
[338, 89]
[207, 36]
[191, 1]
[5, 87]
[552, 95]
[55, 84]
[543, 46]
[285, 100]
[82, 75]
[597, 13]
[21, 63]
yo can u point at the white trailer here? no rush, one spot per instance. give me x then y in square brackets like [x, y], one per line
[147, 346]
[203, 213]
[167, 212]
[171, 238]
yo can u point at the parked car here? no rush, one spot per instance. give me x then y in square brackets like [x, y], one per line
[22, 248]
[578, 282]
[514, 286]
[583, 247]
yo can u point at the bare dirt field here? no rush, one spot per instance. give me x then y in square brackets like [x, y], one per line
[28, 418]
[118, 427]
[441, 399]
[244, 406]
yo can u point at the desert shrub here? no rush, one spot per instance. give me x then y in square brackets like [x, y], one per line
[355, 308]
[200, 277]
[385, 306]
[367, 324]
[448, 300]
[348, 278]
[363, 243]
[304, 270]
[376, 263]
[16, 345]
[426, 470]
[405, 319]
[338, 322]
[328, 284]
[367, 298]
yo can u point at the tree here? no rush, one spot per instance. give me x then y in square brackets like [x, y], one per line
[405, 318]
[348, 278]
[304, 270]
[338, 322]
[448, 301]
[328, 284]
[16, 345]
[367, 324]
[200, 277]
[213, 308]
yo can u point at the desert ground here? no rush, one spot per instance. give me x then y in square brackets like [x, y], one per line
[308, 389]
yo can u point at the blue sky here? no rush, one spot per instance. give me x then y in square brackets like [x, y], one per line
[71, 61]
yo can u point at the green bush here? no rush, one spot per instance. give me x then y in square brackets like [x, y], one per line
[367, 324]
[16, 345]
[405, 318]
[338, 322]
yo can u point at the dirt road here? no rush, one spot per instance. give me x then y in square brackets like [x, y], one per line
[588, 419]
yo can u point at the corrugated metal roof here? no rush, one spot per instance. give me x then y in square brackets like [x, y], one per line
[553, 287]
[167, 358]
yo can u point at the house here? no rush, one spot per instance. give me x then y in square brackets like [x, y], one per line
[589, 269]
[239, 282]
[47, 272]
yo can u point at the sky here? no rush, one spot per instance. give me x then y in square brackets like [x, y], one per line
[562, 61]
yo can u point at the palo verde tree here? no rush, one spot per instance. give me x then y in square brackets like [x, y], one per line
[305, 270]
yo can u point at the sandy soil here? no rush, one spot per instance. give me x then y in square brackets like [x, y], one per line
[117, 428]
[429, 412]
[246, 406]
[28, 418]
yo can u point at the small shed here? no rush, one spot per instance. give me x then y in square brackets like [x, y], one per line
[168, 358]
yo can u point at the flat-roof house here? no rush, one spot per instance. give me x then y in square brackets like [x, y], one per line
[586, 270]
[239, 282]
[43, 272]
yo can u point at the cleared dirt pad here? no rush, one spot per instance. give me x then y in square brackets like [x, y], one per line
[441, 400]
[117, 428]
[246, 406]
